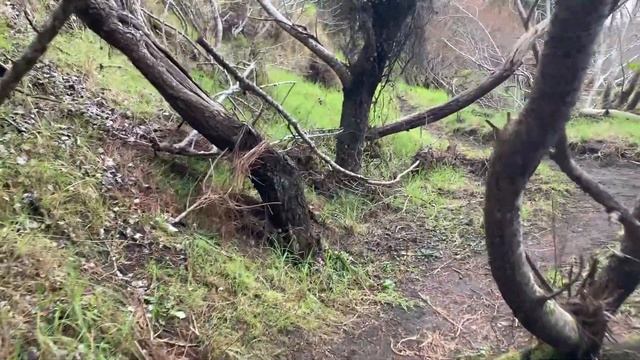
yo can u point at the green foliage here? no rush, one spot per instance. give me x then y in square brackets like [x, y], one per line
[317, 107]
[207, 81]
[431, 189]
[473, 121]
[61, 304]
[348, 210]
[55, 172]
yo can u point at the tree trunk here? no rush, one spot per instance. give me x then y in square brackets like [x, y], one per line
[605, 101]
[273, 174]
[628, 90]
[634, 100]
[519, 149]
[354, 121]
[381, 27]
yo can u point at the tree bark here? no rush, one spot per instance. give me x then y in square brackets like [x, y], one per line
[519, 149]
[354, 120]
[605, 100]
[381, 28]
[273, 175]
[634, 100]
[628, 90]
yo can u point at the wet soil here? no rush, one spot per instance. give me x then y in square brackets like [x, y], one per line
[460, 311]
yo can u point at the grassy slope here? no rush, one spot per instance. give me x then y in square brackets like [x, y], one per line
[61, 295]
[59, 291]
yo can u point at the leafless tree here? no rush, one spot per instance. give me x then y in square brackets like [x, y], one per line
[379, 26]
[575, 328]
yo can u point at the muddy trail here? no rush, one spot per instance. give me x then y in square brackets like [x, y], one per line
[459, 310]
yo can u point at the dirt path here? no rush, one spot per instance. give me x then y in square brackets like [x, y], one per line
[461, 311]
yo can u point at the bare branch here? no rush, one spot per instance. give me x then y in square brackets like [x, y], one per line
[508, 68]
[247, 85]
[562, 157]
[307, 39]
[169, 26]
[526, 23]
[484, 29]
[536, 272]
[205, 199]
[36, 49]
[181, 150]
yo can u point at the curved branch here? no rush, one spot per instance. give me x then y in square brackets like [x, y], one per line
[307, 39]
[621, 276]
[508, 68]
[519, 149]
[562, 157]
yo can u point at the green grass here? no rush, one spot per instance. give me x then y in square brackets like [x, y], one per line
[441, 197]
[421, 98]
[244, 304]
[5, 43]
[433, 189]
[85, 53]
[612, 129]
[473, 120]
[348, 210]
[50, 304]
[62, 297]
[315, 106]
[207, 81]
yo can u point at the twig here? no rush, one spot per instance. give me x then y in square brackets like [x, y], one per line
[165, 24]
[180, 150]
[206, 198]
[36, 49]
[176, 343]
[441, 313]
[566, 287]
[309, 41]
[543, 282]
[247, 85]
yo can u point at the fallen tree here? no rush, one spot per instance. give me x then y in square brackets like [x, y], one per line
[273, 175]
[575, 328]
